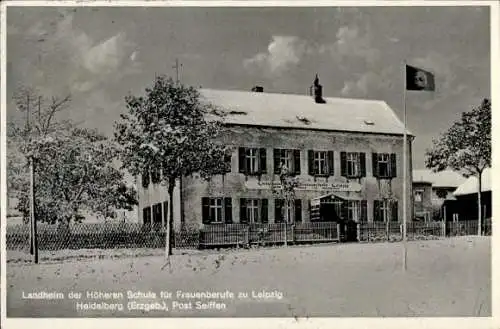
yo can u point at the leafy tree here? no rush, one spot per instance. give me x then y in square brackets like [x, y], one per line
[171, 128]
[465, 147]
[73, 169]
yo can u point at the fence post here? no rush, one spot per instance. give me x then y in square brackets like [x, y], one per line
[293, 233]
[358, 231]
[247, 236]
[338, 232]
[443, 228]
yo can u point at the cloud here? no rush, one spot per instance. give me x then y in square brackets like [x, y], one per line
[70, 60]
[286, 52]
[282, 53]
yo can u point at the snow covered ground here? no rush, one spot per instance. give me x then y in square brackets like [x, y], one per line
[449, 277]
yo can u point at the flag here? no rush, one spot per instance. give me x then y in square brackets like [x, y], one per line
[418, 79]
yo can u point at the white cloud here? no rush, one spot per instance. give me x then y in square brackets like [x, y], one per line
[282, 52]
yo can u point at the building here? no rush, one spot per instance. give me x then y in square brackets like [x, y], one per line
[346, 154]
[465, 205]
[431, 189]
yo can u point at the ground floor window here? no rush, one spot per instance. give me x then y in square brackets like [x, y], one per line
[287, 212]
[353, 210]
[216, 210]
[253, 210]
[385, 210]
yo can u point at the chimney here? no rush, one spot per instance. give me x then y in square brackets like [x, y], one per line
[258, 89]
[318, 91]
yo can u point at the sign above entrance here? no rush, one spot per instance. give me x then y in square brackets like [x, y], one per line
[307, 186]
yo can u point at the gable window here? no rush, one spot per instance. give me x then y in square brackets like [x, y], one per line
[320, 163]
[385, 210]
[290, 159]
[253, 211]
[155, 175]
[216, 210]
[353, 164]
[384, 165]
[252, 161]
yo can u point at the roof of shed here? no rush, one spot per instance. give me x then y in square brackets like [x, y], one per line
[445, 178]
[301, 111]
[470, 186]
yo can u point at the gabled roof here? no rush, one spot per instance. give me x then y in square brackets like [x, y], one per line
[470, 186]
[300, 111]
[445, 178]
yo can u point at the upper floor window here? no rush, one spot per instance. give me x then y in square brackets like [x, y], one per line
[320, 163]
[289, 159]
[145, 178]
[384, 165]
[252, 161]
[353, 164]
[155, 175]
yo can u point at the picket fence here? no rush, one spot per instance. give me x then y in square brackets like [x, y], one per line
[132, 235]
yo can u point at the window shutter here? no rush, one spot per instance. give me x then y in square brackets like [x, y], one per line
[343, 210]
[276, 156]
[296, 161]
[364, 211]
[264, 211]
[393, 165]
[278, 210]
[241, 160]
[227, 162]
[376, 211]
[165, 212]
[205, 210]
[362, 164]
[146, 216]
[343, 164]
[375, 164]
[145, 178]
[262, 161]
[310, 160]
[228, 211]
[330, 163]
[298, 211]
[394, 210]
[243, 211]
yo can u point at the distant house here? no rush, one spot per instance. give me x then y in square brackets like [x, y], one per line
[431, 189]
[465, 206]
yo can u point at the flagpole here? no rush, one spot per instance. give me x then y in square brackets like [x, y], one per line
[405, 164]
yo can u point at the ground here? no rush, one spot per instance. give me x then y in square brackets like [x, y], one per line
[449, 277]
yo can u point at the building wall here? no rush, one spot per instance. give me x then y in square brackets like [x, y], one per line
[154, 194]
[236, 185]
[422, 194]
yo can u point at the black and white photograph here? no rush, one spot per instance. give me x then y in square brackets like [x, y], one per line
[208, 161]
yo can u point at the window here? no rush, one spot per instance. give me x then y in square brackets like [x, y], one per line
[146, 216]
[157, 215]
[290, 213]
[419, 195]
[353, 164]
[320, 163]
[216, 210]
[384, 165]
[253, 211]
[288, 158]
[385, 210]
[353, 210]
[252, 161]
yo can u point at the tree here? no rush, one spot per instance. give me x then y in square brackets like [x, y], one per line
[74, 169]
[288, 185]
[172, 129]
[465, 147]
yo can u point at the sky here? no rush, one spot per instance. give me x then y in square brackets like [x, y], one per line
[100, 55]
